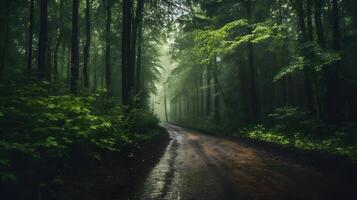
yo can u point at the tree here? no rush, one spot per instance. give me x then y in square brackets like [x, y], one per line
[74, 49]
[138, 41]
[42, 44]
[108, 4]
[127, 76]
[87, 45]
[30, 36]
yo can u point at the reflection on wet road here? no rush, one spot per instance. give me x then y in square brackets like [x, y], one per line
[196, 166]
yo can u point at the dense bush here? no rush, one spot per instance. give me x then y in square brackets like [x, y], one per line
[338, 143]
[41, 135]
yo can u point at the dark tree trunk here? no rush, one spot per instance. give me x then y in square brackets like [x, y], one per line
[310, 36]
[301, 19]
[202, 95]
[208, 97]
[336, 25]
[308, 68]
[87, 45]
[75, 52]
[318, 22]
[137, 28]
[254, 110]
[139, 59]
[5, 42]
[59, 40]
[48, 74]
[55, 59]
[108, 65]
[42, 45]
[30, 39]
[197, 107]
[332, 73]
[126, 48]
[167, 119]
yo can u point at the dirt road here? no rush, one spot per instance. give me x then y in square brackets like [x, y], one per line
[197, 166]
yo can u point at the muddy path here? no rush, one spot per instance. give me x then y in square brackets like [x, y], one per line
[197, 166]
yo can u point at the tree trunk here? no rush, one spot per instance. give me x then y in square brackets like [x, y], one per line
[332, 73]
[4, 43]
[336, 25]
[254, 115]
[74, 54]
[137, 28]
[208, 100]
[126, 48]
[30, 39]
[87, 45]
[310, 36]
[318, 22]
[139, 59]
[108, 65]
[301, 19]
[41, 68]
[201, 94]
[167, 119]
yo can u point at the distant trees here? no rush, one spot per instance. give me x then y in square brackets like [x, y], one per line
[287, 54]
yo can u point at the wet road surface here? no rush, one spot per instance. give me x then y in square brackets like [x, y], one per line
[197, 166]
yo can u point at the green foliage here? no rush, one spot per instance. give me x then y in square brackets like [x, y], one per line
[314, 56]
[338, 143]
[36, 127]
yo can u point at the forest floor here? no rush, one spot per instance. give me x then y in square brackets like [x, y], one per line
[200, 166]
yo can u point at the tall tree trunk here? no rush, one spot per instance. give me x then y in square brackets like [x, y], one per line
[167, 119]
[336, 25]
[108, 65]
[254, 115]
[137, 28]
[30, 39]
[301, 19]
[48, 74]
[332, 72]
[87, 45]
[74, 52]
[308, 68]
[216, 93]
[201, 94]
[209, 82]
[5, 42]
[42, 45]
[139, 59]
[126, 48]
[318, 22]
[310, 36]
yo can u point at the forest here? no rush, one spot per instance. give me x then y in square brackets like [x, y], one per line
[92, 92]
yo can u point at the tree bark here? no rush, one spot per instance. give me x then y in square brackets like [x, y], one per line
[139, 59]
[209, 82]
[254, 113]
[42, 45]
[332, 73]
[87, 45]
[318, 22]
[74, 52]
[30, 36]
[310, 36]
[137, 28]
[126, 48]
[108, 66]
